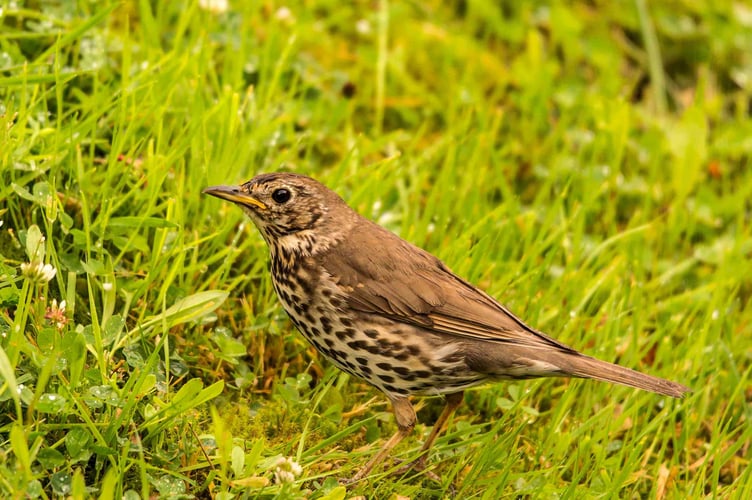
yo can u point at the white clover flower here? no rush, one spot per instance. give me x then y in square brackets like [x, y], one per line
[214, 6]
[56, 314]
[363, 26]
[284, 14]
[38, 272]
[286, 470]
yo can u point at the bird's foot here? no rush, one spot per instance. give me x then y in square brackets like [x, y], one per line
[347, 481]
[362, 473]
[418, 466]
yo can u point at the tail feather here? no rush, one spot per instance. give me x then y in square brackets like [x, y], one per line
[587, 367]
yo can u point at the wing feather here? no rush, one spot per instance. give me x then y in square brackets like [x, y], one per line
[413, 287]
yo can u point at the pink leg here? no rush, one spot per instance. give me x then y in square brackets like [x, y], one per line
[405, 416]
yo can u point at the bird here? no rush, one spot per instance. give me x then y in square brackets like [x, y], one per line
[394, 315]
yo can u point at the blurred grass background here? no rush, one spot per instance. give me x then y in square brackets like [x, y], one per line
[585, 162]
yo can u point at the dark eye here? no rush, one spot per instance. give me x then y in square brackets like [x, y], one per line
[281, 195]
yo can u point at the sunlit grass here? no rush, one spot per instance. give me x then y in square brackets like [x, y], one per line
[588, 166]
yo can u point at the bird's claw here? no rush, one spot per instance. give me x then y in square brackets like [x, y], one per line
[347, 481]
[417, 465]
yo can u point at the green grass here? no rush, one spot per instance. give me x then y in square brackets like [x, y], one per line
[586, 163]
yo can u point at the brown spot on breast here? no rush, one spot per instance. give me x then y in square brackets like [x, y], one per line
[346, 333]
[357, 345]
[326, 324]
[371, 334]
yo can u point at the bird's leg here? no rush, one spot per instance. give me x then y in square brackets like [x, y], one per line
[452, 402]
[405, 416]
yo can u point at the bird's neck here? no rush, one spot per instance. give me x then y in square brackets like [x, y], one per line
[287, 251]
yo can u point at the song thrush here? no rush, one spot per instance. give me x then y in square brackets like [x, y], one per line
[394, 315]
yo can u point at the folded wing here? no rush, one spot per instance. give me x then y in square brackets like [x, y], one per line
[413, 287]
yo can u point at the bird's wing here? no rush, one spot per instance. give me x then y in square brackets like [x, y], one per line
[389, 277]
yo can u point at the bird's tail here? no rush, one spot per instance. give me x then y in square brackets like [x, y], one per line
[587, 367]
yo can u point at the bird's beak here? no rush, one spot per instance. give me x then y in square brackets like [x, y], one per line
[235, 195]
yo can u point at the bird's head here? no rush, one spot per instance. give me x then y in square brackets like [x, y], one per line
[286, 205]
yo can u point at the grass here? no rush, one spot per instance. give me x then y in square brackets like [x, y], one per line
[586, 163]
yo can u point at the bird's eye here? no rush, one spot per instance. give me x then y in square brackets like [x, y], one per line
[281, 195]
